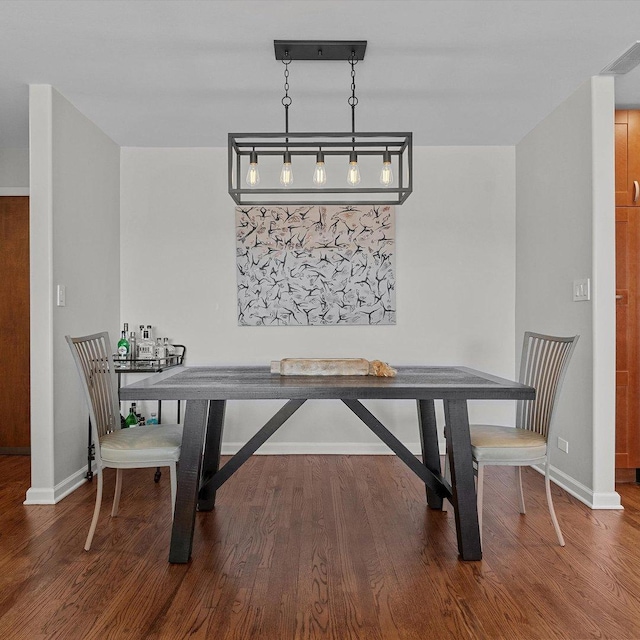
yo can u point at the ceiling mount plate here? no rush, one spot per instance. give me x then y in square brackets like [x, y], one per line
[319, 49]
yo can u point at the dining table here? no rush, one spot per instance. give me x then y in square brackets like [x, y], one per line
[206, 390]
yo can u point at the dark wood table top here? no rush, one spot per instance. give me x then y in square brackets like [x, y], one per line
[249, 383]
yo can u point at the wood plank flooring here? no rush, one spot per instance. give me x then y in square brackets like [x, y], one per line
[298, 547]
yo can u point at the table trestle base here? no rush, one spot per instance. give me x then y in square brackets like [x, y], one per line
[213, 480]
[434, 482]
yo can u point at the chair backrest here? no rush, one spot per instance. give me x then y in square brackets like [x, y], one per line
[543, 366]
[94, 360]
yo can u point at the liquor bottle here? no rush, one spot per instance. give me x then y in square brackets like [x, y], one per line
[132, 419]
[132, 345]
[123, 344]
[161, 352]
[170, 350]
[146, 347]
[153, 419]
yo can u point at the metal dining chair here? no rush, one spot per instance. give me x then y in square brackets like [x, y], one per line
[543, 366]
[115, 447]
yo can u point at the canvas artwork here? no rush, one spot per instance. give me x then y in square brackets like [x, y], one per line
[316, 265]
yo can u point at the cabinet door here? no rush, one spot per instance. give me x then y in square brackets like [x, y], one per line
[627, 337]
[627, 129]
[14, 324]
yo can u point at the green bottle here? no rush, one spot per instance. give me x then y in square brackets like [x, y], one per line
[123, 344]
[132, 419]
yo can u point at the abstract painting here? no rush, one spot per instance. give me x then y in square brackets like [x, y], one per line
[316, 265]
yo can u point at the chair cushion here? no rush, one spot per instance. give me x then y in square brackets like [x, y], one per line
[503, 444]
[142, 444]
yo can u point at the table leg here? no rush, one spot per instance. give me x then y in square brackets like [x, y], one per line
[189, 468]
[211, 462]
[429, 443]
[462, 479]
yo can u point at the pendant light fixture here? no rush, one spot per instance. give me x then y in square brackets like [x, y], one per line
[322, 183]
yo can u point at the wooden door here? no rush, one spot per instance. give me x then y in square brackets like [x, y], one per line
[627, 337]
[14, 325]
[627, 128]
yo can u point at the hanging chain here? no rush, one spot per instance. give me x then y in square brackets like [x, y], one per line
[353, 101]
[286, 100]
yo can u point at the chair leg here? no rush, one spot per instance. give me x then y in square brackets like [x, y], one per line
[116, 493]
[96, 512]
[447, 477]
[519, 488]
[480, 496]
[174, 485]
[556, 526]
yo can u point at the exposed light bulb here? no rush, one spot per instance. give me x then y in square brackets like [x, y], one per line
[386, 174]
[286, 175]
[353, 173]
[253, 175]
[320, 173]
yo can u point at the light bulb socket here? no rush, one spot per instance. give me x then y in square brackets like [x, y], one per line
[353, 157]
[386, 157]
[287, 157]
[320, 156]
[253, 157]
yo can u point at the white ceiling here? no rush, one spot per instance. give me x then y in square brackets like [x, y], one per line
[177, 73]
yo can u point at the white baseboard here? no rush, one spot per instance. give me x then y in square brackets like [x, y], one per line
[594, 500]
[39, 496]
[60, 491]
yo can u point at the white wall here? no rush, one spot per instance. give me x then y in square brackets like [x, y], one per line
[75, 235]
[455, 294]
[564, 231]
[14, 170]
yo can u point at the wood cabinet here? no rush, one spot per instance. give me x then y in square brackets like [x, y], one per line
[627, 124]
[627, 348]
[627, 130]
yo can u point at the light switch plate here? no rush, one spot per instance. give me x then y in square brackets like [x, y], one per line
[61, 296]
[582, 290]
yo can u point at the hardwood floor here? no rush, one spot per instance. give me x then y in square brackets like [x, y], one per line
[300, 547]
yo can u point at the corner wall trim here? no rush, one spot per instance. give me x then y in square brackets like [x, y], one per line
[593, 500]
[60, 491]
[39, 496]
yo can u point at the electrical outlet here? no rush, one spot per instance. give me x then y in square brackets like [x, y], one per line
[563, 445]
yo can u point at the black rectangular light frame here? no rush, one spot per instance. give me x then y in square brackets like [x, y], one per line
[399, 145]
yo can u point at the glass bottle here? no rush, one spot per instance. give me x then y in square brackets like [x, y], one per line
[133, 349]
[132, 419]
[161, 352]
[123, 344]
[170, 350]
[146, 347]
[153, 419]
